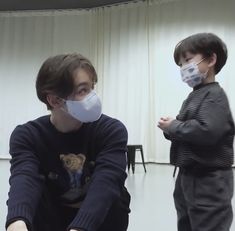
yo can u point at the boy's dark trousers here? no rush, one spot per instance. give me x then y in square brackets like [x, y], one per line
[51, 216]
[203, 199]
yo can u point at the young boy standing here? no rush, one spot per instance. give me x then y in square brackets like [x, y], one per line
[202, 138]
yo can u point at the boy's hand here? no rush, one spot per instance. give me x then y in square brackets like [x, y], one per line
[165, 122]
[17, 226]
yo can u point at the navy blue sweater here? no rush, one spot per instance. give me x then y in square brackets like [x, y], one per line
[38, 151]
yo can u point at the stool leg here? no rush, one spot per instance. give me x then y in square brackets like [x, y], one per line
[133, 164]
[128, 161]
[131, 158]
[142, 156]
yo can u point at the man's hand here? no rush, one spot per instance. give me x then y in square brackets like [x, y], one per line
[17, 226]
[165, 122]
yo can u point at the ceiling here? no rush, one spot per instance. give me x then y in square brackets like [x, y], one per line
[20, 5]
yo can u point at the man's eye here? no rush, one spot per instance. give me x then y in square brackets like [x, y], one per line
[83, 91]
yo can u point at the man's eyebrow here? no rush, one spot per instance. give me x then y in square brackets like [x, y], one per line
[83, 84]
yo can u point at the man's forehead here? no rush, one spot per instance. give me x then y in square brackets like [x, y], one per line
[82, 77]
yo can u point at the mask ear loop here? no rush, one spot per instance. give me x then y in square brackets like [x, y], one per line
[200, 61]
[205, 73]
[63, 100]
[64, 106]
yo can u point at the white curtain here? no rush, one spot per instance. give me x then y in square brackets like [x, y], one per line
[131, 46]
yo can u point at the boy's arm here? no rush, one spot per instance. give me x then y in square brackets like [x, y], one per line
[164, 124]
[166, 135]
[210, 124]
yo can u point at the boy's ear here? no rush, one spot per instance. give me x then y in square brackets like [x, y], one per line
[54, 101]
[212, 60]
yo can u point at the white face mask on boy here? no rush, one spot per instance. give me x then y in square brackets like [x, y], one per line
[191, 74]
[86, 110]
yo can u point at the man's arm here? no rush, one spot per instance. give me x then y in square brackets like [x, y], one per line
[25, 180]
[107, 180]
[18, 225]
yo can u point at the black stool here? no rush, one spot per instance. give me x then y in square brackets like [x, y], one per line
[131, 150]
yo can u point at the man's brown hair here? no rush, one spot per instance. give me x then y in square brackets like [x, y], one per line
[56, 75]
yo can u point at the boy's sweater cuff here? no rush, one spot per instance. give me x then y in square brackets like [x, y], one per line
[173, 128]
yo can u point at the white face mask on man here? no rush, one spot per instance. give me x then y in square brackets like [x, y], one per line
[86, 110]
[191, 74]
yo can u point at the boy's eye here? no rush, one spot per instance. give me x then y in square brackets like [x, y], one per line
[188, 59]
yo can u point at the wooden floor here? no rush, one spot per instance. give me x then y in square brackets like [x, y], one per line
[152, 201]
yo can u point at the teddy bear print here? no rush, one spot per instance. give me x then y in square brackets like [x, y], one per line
[73, 163]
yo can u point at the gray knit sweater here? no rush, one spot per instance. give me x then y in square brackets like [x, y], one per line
[203, 132]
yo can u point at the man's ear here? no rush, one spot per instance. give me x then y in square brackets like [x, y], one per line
[212, 60]
[54, 101]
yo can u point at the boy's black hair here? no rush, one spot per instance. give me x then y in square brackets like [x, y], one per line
[205, 44]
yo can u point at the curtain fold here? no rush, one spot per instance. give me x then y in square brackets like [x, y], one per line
[131, 46]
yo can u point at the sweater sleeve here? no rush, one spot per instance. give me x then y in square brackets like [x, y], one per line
[206, 128]
[107, 180]
[25, 180]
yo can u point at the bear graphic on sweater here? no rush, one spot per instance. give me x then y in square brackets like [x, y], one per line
[74, 163]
